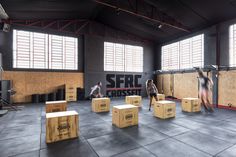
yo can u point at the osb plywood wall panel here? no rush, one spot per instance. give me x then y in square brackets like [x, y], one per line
[185, 85]
[159, 83]
[28, 83]
[164, 84]
[227, 88]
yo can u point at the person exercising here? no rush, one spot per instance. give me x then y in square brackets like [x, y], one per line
[96, 91]
[204, 91]
[151, 91]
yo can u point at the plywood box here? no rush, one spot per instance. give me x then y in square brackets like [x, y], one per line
[61, 126]
[70, 88]
[191, 105]
[159, 97]
[101, 104]
[71, 97]
[55, 106]
[134, 100]
[164, 109]
[125, 115]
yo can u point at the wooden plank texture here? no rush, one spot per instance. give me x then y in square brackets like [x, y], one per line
[28, 83]
[227, 88]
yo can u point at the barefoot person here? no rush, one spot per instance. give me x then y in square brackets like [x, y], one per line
[151, 91]
[96, 91]
[204, 91]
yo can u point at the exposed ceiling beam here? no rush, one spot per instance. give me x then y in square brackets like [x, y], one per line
[69, 26]
[142, 16]
[191, 9]
[3, 14]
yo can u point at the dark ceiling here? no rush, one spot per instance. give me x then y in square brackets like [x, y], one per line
[190, 14]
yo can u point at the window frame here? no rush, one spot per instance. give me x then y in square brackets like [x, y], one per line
[181, 54]
[47, 67]
[232, 46]
[126, 49]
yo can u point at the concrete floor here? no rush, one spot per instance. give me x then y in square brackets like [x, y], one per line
[22, 134]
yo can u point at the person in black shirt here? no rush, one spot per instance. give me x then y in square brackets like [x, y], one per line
[204, 91]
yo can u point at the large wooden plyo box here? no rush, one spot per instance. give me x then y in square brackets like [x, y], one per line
[125, 115]
[159, 97]
[191, 105]
[101, 104]
[61, 126]
[55, 106]
[71, 92]
[164, 109]
[134, 100]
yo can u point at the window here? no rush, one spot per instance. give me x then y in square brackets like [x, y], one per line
[170, 59]
[120, 57]
[184, 54]
[232, 45]
[44, 51]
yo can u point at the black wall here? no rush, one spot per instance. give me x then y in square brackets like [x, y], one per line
[94, 61]
[216, 40]
[90, 52]
[6, 48]
[216, 48]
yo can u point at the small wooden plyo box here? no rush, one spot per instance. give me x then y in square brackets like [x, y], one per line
[101, 104]
[61, 126]
[125, 115]
[71, 97]
[191, 105]
[134, 100]
[164, 109]
[159, 97]
[55, 106]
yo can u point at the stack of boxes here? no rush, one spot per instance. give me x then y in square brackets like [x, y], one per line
[71, 92]
[164, 109]
[60, 124]
[125, 115]
[191, 105]
[134, 100]
[101, 104]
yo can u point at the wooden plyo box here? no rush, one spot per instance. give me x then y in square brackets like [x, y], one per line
[61, 126]
[191, 105]
[125, 115]
[71, 97]
[101, 104]
[134, 100]
[164, 109]
[70, 88]
[159, 97]
[55, 106]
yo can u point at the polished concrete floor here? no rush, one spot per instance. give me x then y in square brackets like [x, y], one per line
[22, 134]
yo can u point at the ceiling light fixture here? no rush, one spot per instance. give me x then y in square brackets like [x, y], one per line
[118, 11]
